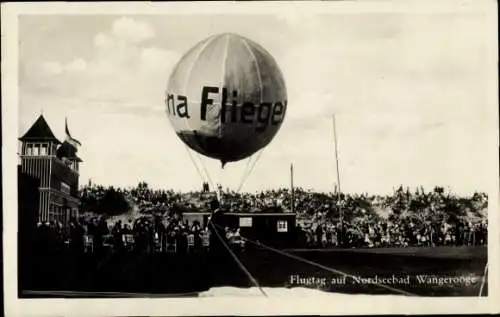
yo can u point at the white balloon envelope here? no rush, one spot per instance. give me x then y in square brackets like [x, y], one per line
[226, 98]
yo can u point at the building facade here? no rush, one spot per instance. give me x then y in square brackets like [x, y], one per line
[272, 229]
[28, 204]
[276, 229]
[56, 165]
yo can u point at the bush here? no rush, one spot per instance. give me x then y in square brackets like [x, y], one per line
[111, 203]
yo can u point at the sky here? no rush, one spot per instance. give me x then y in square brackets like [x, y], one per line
[412, 94]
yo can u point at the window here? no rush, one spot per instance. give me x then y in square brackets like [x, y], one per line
[43, 149]
[36, 149]
[245, 221]
[65, 188]
[67, 162]
[73, 165]
[29, 149]
[282, 226]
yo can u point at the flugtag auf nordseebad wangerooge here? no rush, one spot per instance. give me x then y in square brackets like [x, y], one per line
[407, 279]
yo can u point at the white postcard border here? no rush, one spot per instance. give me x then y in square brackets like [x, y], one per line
[354, 304]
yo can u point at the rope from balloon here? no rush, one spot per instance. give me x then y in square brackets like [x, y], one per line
[242, 267]
[392, 289]
[246, 168]
[206, 171]
[249, 172]
[194, 163]
[245, 172]
[207, 175]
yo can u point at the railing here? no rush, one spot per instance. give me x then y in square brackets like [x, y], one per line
[160, 243]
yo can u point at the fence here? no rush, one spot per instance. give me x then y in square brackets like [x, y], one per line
[157, 243]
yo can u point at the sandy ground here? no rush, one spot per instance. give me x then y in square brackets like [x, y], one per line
[270, 292]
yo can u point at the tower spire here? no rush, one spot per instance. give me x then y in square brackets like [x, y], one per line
[39, 132]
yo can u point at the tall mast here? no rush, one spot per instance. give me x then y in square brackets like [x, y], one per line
[336, 153]
[341, 211]
[292, 202]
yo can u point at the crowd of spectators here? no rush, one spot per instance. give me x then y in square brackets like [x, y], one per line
[145, 234]
[402, 219]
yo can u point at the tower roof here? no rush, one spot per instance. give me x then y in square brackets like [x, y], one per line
[39, 131]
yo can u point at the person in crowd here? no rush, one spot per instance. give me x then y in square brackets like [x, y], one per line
[76, 233]
[401, 219]
[117, 233]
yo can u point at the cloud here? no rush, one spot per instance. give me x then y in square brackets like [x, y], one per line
[410, 94]
[124, 31]
[131, 30]
[157, 60]
[103, 40]
[78, 65]
[52, 68]
[123, 69]
[412, 64]
[56, 68]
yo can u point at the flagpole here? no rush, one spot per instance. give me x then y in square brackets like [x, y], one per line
[69, 138]
[341, 211]
[336, 153]
[292, 202]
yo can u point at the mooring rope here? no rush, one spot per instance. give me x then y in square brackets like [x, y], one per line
[194, 163]
[241, 266]
[247, 175]
[392, 289]
[245, 171]
[200, 173]
[483, 282]
[206, 171]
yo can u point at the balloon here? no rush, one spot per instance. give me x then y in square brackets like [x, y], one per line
[226, 98]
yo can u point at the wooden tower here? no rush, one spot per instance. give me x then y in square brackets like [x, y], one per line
[56, 165]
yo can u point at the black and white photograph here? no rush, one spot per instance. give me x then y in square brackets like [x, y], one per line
[345, 152]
